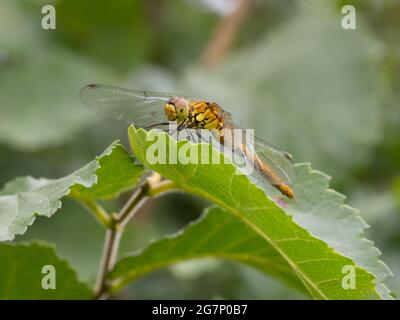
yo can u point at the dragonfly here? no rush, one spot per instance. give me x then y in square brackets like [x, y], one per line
[148, 110]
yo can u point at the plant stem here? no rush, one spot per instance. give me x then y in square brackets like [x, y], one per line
[132, 205]
[116, 227]
[110, 251]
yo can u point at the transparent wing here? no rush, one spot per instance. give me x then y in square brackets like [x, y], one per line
[140, 108]
[277, 161]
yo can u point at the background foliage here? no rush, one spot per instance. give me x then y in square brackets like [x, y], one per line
[326, 95]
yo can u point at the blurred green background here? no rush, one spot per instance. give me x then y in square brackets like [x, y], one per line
[327, 95]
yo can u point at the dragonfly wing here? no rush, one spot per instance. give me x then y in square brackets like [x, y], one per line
[140, 108]
[280, 162]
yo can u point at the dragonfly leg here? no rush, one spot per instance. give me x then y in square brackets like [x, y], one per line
[156, 125]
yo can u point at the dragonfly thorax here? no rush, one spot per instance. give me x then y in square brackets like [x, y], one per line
[194, 114]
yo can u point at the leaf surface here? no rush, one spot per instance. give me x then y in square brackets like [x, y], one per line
[216, 234]
[25, 266]
[117, 173]
[315, 235]
[25, 198]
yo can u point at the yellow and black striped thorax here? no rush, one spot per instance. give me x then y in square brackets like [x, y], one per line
[204, 115]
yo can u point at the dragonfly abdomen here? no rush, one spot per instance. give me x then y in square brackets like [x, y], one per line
[272, 178]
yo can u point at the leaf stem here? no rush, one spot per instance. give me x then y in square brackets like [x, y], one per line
[97, 210]
[131, 206]
[110, 251]
[161, 188]
[116, 227]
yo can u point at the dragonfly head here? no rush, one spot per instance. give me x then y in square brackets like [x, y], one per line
[177, 109]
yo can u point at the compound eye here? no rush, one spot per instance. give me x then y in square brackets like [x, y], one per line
[182, 108]
[181, 103]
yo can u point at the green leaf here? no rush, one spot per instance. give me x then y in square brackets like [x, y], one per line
[22, 270]
[315, 234]
[25, 198]
[216, 234]
[117, 173]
